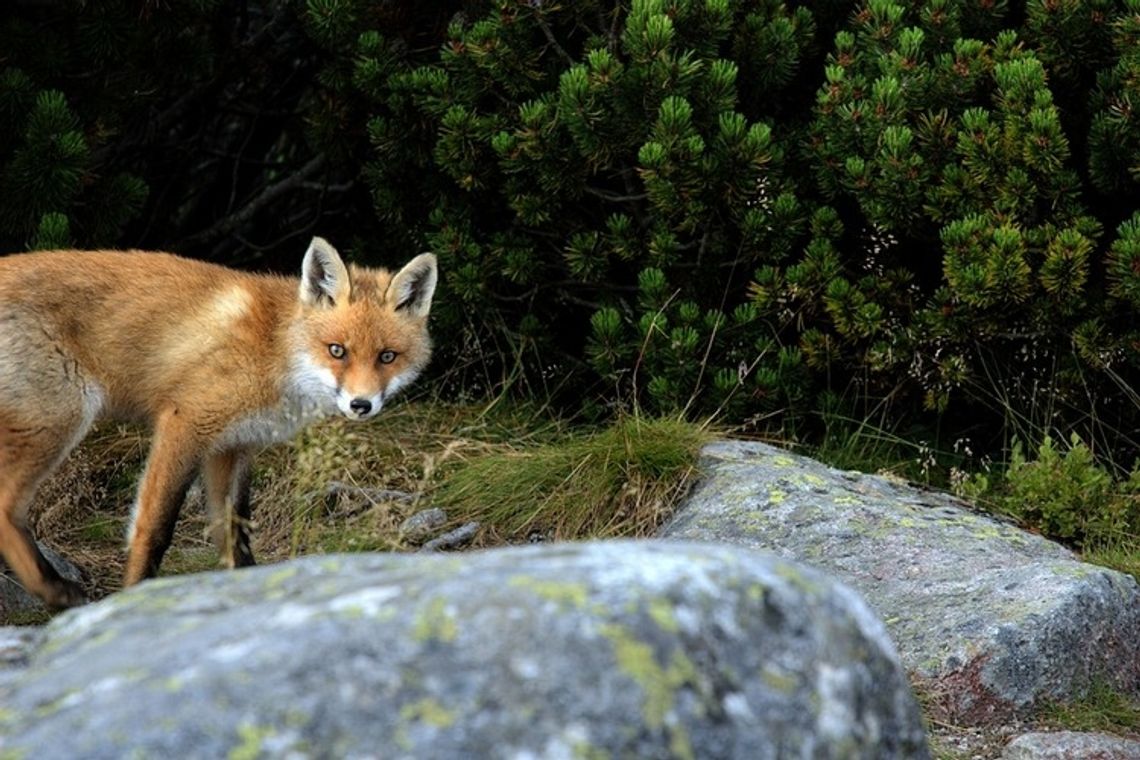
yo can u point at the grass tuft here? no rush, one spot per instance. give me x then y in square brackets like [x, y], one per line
[1103, 708]
[623, 480]
[1120, 555]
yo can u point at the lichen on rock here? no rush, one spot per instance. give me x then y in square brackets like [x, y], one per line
[991, 619]
[619, 649]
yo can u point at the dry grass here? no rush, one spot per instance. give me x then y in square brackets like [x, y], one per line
[542, 476]
[84, 509]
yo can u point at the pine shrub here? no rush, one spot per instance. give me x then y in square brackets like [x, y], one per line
[643, 194]
[764, 211]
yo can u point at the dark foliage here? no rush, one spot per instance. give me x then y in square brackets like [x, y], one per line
[922, 212]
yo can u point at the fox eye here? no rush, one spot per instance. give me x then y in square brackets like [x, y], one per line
[336, 350]
[387, 356]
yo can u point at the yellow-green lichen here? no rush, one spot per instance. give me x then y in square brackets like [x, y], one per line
[105, 636]
[585, 751]
[250, 739]
[351, 612]
[48, 709]
[798, 580]
[988, 532]
[778, 681]
[565, 594]
[435, 622]
[776, 496]
[756, 592]
[1074, 569]
[661, 610]
[278, 577]
[659, 684]
[429, 711]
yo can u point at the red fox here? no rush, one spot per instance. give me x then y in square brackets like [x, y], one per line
[218, 362]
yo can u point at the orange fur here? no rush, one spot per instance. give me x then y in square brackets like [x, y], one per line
[219, 362]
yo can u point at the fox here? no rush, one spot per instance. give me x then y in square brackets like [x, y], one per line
[218, 363]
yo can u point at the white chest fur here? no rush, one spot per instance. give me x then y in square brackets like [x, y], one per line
[309, 395]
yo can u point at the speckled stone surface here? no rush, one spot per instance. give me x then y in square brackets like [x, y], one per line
[990, 618]
[1071, 745]
[622, 649]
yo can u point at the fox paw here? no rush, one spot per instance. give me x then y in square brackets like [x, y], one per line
[62, 593]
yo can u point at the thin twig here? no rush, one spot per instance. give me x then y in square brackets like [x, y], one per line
[613, 41]
[614, 197]
[549, 34]
[267, 196]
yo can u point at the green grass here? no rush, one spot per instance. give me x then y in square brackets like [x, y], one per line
[622, 480]
[101, 529]
[1121, 556]
[182, 559]
[33, 617]
[1102, 709]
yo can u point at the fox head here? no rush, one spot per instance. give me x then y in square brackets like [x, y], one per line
[361, 334]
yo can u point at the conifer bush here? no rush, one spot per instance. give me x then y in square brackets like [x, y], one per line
[645, 188]
[602, 182]
[76, 81]
[189, 125]
[754, 209]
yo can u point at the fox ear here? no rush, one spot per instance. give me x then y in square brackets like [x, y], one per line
[324, 278]
[414, 285]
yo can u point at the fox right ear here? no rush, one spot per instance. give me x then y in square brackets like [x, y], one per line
[324, 277]
[412, 287]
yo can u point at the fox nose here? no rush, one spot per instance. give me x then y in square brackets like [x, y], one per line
[361, 406]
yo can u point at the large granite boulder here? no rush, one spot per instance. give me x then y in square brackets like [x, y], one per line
[623, 649]
[992, 620]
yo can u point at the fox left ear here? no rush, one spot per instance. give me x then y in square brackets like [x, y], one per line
[414, 285]
[324, 277]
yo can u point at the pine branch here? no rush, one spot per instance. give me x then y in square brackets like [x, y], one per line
[606, 195]
[268, 195]
[613, 34]
[549, 34]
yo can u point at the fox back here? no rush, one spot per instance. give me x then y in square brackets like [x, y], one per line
[218, 362]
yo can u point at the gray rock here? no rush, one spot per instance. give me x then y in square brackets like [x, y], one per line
[1070, 745]
[453, 539]
[16, 646]
[350, 499]
[990, 619]
[423, 525]
[15, 602]
[623, 649]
